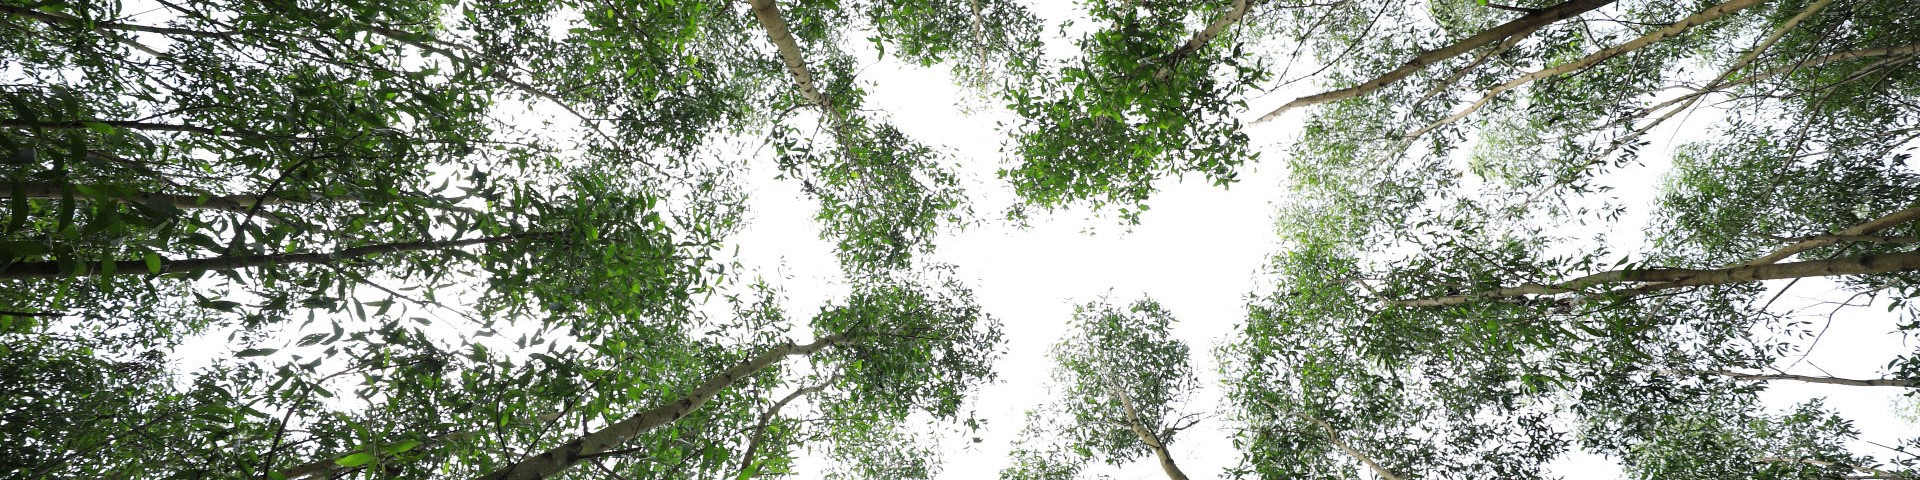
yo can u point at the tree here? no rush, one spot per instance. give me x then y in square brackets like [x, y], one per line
[1146, 98]
[1122, 378]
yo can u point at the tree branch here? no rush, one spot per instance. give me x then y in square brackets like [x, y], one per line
[1527, 24]
[1670, 278]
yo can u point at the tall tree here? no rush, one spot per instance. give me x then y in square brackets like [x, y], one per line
[1122, 378]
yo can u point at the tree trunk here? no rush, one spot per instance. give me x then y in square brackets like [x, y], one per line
[586, 447]
[1350, 451]
[1146, 435]
[52, 269]
[768, 14]
[1670, 278]
[1520, 26]
[1697, 19]
[1872, 382]
[1889, 221]
[1214, 29]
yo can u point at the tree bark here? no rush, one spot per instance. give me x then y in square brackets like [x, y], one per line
[1214, 29]
[1146, 435]
[1871, 382]
[1876, 225]
[1520, 26]
[1697, 19]
[768, 14]
[1350, 451]
[586, 447]
[1670, 278]
[52, 269]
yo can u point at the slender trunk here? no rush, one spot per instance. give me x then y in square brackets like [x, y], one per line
[1876, 225]
[1670, 278]
[1520, 26]
[768, 14]
[52, 269]
[1871, 382]
[1350, 451]
[586, 447]
[1677, 28]
[1146, 435]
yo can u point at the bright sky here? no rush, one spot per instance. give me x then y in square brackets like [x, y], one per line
[1198, 251]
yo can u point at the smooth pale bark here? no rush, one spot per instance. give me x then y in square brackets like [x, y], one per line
[554, 461]
[1214, 29]
[1145, 433]
[768, 14]
[1885, 222]
[1871, 382]
[1670, 278]
[52, 269]
[1351, 452]
[1789, 68]
[330, 466]
[1517, 27]
[1670, 31]
[1724, 77]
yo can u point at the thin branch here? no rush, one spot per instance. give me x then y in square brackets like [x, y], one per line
[1697, 19]
[1363, 458]
[1525, 24]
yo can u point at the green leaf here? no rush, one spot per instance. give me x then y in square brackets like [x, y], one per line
[355, 460]
[255, 352]
[22, 248]
[102, 128]
[153, 263]
[400, 447]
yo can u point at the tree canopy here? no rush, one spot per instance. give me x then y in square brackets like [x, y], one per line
[280, 239]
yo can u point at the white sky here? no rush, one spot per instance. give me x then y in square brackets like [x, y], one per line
[1198, 251]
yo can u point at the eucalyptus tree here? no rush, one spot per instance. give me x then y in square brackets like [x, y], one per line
[1122, 379]
[1148, 96]
[433, 232]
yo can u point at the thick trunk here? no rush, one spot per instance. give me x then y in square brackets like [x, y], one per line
[1670, 31]
[51, 269]
[558, 459]
[1145, 433]
[1520, 26]
[1670, 278]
